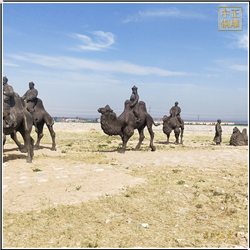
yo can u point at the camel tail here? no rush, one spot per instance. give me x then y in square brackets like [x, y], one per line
[156, 124]
[151, 120]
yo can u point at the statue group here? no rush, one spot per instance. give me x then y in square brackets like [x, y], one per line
[135, 116]
[237, 138]
[20, 114]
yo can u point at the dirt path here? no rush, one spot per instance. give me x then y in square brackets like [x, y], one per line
[69, 182]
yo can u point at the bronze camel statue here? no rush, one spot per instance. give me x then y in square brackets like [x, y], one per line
[126, 123]
[23, 122]
[40, 117]
[239, 138]
[172, 123]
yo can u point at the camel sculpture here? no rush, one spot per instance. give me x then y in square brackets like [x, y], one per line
[172, 123]
[40, 117]
[4, 138]
[126, 123]
[23, 122]
[239, 138]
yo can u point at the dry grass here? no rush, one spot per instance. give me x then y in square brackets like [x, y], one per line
[175, 202]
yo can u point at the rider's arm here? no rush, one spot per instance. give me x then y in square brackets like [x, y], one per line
[24, 96]
[135, 101]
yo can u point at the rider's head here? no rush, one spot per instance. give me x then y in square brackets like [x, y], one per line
[31, 85]
[5, 80]
[176, 103]
[134, 89]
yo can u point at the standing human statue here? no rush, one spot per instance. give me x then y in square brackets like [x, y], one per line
[31, 98]
[218, 132]
[175, 111]
[134, 98]
[8, 93]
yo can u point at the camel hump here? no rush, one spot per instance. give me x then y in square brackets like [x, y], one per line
[141, 106]
[39, 103]
[16, 102]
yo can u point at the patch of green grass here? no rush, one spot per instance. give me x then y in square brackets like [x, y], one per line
[36, 170]
[196, 194]
[176, 170]
[198, 205]
[181, 182]
[215, 193]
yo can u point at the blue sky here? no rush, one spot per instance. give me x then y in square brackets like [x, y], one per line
[83, 56]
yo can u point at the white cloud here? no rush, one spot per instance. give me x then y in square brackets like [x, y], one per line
[225, 64]
[10, 64]
[101, 40]
[239, 67]
[173, 12]
[70, 63]
[243, 41]
[239, 40]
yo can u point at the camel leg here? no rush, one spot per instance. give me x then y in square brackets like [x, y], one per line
[4, 139]
[141, 138]
[39, 132]
[127, 133]
[182, 128]
[151, 144]
[50, 122]
[28, 143]
[177, 133]
[53, 136]
[21, 147]
[168, 135]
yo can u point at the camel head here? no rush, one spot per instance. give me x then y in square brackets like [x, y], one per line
[235, 130]
[107, 111]
[165, 118]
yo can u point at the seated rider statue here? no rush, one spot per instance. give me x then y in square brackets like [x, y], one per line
[8, 93]
[134, 98]
[31, 98]
[175, 111]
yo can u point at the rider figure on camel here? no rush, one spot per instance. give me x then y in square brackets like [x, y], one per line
[8, 93]
[134, 98]
[175, 111]
[31, 98]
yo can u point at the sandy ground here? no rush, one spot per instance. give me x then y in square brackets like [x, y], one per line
[69, 182]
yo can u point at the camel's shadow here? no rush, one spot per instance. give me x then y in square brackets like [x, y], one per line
[165, 143]
[118, 150]
[106, 151]
[13, 157]
[42, 147]
[11, 149]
